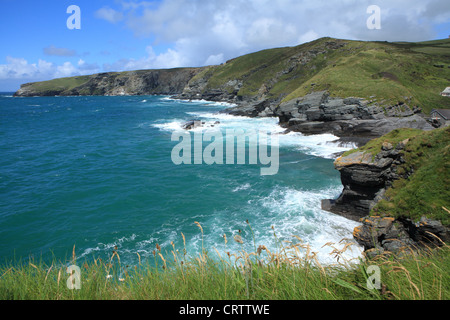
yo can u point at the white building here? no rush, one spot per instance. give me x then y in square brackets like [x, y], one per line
[446, 92]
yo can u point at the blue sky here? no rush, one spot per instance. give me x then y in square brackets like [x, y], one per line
[123, 35]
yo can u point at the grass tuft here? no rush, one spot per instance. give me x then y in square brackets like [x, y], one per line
[291, 272]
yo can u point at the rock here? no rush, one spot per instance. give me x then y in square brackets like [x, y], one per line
[386, 146]
[365, 179]
[192, 124]
[296, 121]
[398, 236]
[143, 82]
[372, 231]
[431, 231]
[318, 113]
[261, 108]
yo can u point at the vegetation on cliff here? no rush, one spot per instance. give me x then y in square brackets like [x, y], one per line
[386, 74]
[140, 82]
[422, 189]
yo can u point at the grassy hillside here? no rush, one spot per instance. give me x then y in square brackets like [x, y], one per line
[381, 72]
[59, 84]
[388, 73]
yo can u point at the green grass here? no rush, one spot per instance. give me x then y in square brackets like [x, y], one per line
[60, 84]
[385, 73]
[382, 72]
[292, 272]
[427, 158]
[394, 137]
[425, 192]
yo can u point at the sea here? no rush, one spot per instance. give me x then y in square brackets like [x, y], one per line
[95, 174]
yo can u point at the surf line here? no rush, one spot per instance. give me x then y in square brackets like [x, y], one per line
[190, 149]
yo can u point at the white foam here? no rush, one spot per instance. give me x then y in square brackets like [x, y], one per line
[174, 125]
[102, 247]
[244, 186]
[321, 145]
[298, 213]
[200, 101]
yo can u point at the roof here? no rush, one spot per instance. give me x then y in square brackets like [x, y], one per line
[445, 113]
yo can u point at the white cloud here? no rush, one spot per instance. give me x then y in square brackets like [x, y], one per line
[89, 67]
[203, 32]
[308, 36]
[109, 15]
[17, 68]
[214, 59]
[206, 31]
[21, 70]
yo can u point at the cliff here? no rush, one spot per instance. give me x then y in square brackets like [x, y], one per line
[356, 90]
[387, 75]
[141, 82]
[397, 186]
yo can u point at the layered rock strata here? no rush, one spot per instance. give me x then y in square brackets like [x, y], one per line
[365, 179]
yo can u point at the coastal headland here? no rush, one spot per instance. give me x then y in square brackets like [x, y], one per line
[376, 95]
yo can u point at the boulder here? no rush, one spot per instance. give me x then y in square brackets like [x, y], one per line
[192, 124]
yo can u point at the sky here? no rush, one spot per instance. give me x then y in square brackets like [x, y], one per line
[121, 35]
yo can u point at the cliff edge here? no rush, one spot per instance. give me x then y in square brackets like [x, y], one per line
[397, 186]
[141, 82]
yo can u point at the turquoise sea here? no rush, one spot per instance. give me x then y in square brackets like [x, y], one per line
[96, 173]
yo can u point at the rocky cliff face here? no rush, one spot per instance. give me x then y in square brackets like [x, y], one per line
[365, 179]
[143, 82]
[374, 178]
[351, 119]
[381, 235]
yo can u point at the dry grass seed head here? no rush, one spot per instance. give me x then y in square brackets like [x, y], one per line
[184, 239]
[199, 225]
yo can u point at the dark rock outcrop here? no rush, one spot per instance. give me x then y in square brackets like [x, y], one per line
[380, 235]
[365, 179]
[194, 124]
[142, 82]
[351, 118]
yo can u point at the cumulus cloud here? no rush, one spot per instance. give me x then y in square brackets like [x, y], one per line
[212, 31]
[20, 69]
[205, 32]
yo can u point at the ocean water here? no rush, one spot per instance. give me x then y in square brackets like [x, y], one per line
[96, 173]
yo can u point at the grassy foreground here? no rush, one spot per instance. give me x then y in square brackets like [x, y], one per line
[291, 273]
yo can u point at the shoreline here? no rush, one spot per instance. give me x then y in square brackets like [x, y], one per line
[227, 105]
